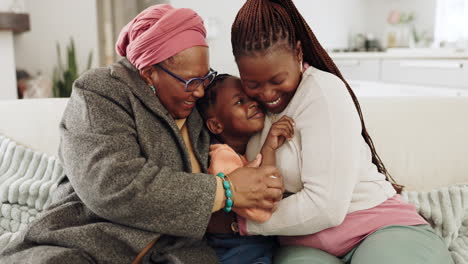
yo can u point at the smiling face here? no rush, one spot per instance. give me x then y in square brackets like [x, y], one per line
[271, 77]
[187, 64]
[236, 113]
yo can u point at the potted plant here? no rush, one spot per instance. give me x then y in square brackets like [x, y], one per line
[65, 75]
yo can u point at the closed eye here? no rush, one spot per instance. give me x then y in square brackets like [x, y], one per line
[251, 85]
[279, 78]
[278, 81]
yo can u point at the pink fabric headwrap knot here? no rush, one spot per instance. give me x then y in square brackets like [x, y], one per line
[158, 33]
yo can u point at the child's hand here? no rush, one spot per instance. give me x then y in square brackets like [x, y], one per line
[280, 131]
[254, 214]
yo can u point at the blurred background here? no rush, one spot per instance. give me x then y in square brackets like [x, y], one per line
[383, 47]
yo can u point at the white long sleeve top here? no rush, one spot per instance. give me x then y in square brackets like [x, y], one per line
[327, 165]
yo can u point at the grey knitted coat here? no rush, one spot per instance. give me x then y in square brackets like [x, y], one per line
[128, 180]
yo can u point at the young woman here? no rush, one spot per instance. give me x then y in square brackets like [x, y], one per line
[344, 208]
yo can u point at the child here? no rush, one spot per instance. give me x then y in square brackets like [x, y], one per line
[344, 208]
[232, 117]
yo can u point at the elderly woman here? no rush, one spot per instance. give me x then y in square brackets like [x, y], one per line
[135, 151]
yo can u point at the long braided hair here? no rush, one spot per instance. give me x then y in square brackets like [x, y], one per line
[262, 24]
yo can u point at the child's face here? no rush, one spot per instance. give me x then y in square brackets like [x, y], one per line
[271, 78]
[238, 113]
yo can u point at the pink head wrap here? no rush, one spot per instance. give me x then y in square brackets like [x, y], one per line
[158, 33]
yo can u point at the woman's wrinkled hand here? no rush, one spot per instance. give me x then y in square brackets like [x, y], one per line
[258, 187]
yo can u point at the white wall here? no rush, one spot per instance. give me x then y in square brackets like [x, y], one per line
[7, 66]
[331, 21]
[378, 10]
[220, 48]
[55, 21]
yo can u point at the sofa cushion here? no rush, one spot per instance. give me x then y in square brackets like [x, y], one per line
[33, 122]
[422, 141]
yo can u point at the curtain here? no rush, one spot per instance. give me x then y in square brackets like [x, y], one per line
[113, 15]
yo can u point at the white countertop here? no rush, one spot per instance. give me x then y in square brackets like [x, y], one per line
[423, 53]
[370, 88]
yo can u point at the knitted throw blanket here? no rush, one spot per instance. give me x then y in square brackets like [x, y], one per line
[27, 179]
[446, 209]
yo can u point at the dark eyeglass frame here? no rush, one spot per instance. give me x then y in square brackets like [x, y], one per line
[211, 74]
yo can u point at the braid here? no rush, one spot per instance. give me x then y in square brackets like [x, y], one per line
[260, 24]
[205, 103]
[258, 27]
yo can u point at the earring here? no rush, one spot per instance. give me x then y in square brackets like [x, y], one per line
[301, 66]
[153, 89]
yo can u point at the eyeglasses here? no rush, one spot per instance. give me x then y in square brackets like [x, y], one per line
[192, 84]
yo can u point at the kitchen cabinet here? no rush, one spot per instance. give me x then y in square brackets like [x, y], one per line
[360, 69]
[413, 69]
[451, 73]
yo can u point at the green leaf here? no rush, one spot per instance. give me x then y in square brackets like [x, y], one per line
[90, 60]
[72, 59]
[59, 58]
[63, 78]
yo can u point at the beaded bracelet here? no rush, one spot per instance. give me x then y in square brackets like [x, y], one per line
[228, 192]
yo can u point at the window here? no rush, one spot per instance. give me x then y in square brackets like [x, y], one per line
[451, 21]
